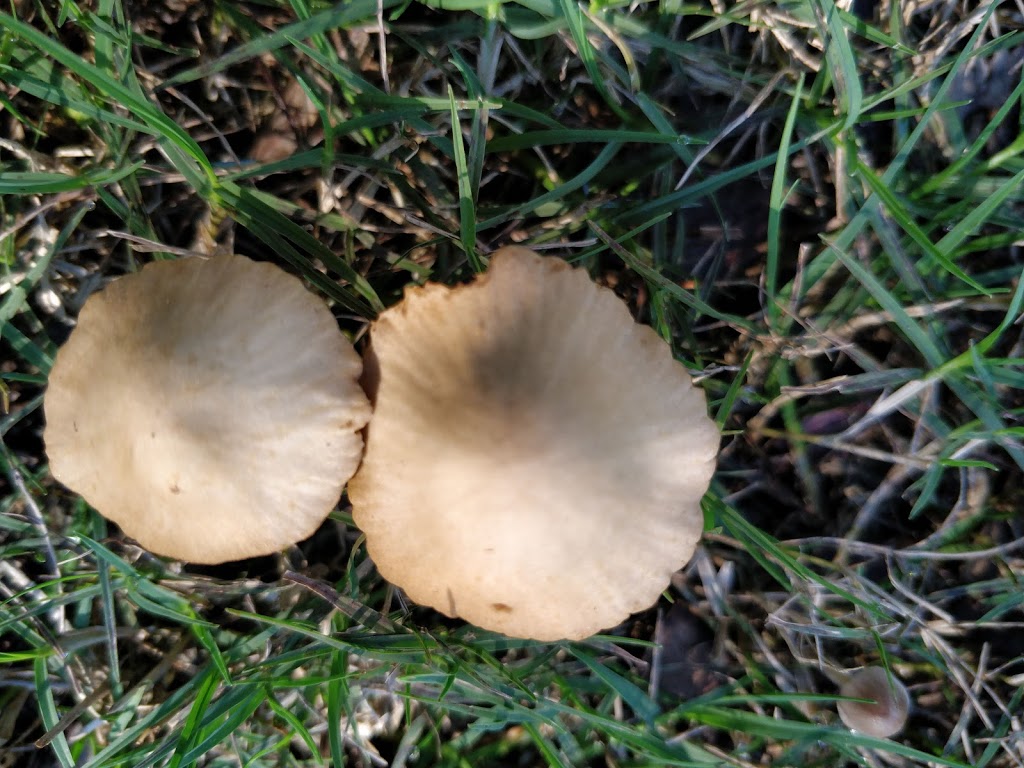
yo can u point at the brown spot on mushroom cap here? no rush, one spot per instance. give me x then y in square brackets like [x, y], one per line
[209, 408]
[886, 715]
[532, 447]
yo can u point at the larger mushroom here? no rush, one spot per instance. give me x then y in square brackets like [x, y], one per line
[536, 459]
[210, 408]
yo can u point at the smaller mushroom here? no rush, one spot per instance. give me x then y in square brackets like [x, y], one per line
[211, 408]
[887, 705]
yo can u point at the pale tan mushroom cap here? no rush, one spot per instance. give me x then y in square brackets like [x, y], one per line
[536, 459]
[209, 408]
[882, 719]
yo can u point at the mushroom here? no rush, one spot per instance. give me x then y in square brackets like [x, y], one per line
[210, 408]
[888, 703]
[536, 459]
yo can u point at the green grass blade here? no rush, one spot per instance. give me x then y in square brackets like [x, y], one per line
[337, 691]
[978, 215]
[191, 731]
[154, 120]
[338, 17]
[48, 713]
[467, 204]
[42, 183]
[922, 341]
[240, 705]
[901, 216]
[777, 202]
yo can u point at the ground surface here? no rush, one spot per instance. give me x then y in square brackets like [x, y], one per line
[818, 206]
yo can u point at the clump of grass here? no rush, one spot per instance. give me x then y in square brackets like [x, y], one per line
[818, 208]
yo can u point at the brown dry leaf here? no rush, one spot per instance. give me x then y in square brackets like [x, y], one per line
[281, 135]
